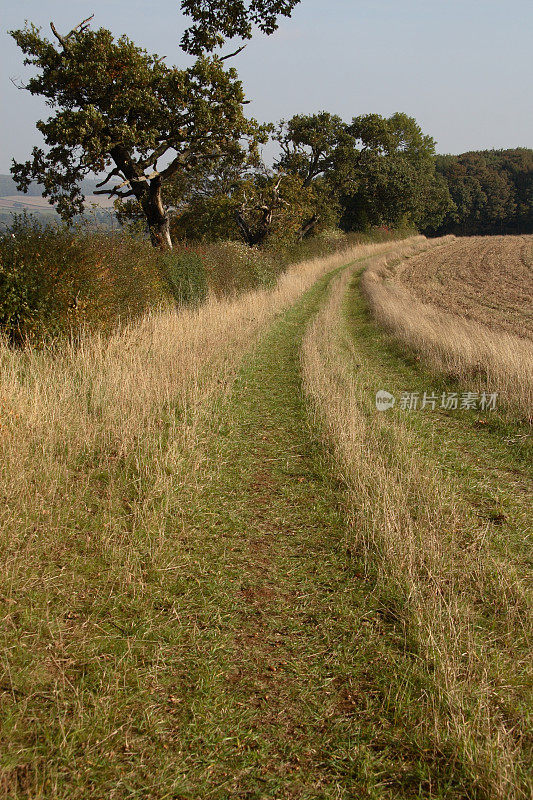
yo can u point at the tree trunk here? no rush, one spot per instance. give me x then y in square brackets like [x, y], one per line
[160, 233]
[244, 228]
[157, 216]
[148, 195]
[257, 236]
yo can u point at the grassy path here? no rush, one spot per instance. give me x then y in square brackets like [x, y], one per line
[274, 717]
[291, 701]
[310, 683]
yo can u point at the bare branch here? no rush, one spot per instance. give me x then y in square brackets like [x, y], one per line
[231, 55]
[120, 185]
[80, 27]
[17, 86]
[58, 36]
[179, 161]
[115, 189]
[114, 172]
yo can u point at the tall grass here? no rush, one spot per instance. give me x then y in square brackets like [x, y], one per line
[462, 610]
[55, 280]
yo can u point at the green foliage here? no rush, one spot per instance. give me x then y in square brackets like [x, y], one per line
[233, 267]
[268, 206]
[202, 199]
[492, 191]
[316, 145]
[206, 219]
[186, 277]
[54, 279]
[278, 205]
[218, 20]
[380, 171]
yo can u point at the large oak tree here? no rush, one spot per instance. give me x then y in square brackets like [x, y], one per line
[122, 111]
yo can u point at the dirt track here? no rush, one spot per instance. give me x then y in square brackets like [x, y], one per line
[487, 279]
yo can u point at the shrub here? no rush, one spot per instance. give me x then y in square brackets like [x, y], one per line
[54, 279]
[40, 279]
[233, 267]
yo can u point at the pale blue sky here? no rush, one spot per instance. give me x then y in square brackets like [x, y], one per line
[462, 68]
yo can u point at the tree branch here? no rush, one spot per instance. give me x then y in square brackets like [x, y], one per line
[114, 192]
[114, 172]
[231, 55]
[64, 40]
[17, 86]
[159, 152]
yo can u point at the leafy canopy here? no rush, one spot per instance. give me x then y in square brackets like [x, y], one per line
[394, 180]
[492, 191]
[315, 145]
[381, 171]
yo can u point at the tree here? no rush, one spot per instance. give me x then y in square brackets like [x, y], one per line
[319, 150]
[121, 111]
[381, 171]
[218, 20]
[394, 181]
[315, 145]
[276, 204]
[227, 199]
[200, 201]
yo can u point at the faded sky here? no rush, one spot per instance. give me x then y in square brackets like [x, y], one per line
[462, 68]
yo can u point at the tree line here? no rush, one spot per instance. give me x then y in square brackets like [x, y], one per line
[180, 156]
[491, 190]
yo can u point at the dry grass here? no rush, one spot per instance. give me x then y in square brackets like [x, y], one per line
[111, 395]
[462, 611]
[492, 358]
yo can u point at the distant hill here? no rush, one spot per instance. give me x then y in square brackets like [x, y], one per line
[13, 202]
[8, 187]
